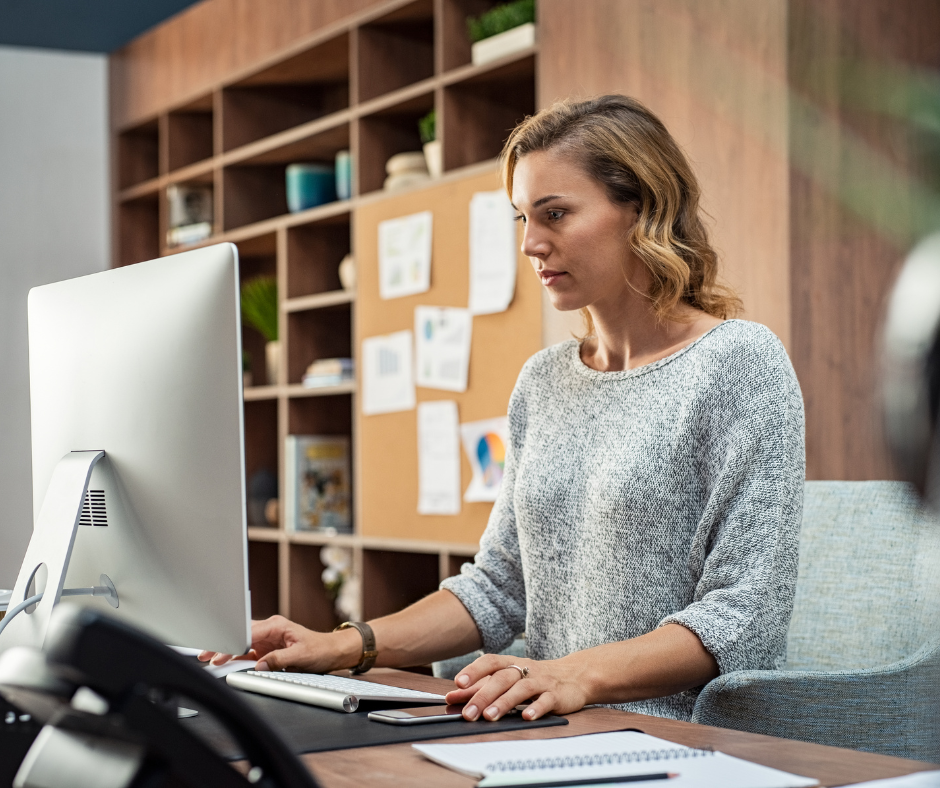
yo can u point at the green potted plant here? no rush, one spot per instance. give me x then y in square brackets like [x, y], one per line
[427, 128]
[502, 30]
[260, 311]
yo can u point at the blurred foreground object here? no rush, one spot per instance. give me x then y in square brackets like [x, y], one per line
[912, 368]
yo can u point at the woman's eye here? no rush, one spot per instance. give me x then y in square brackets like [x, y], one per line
[554, 216]
[519, 218]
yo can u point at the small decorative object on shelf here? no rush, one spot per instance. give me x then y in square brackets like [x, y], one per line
[340, 583]
[433, 153]
[318, 485]
[259, 310]
[329, 372]
[501, 31]
[262, 489]
[343, 175]
[190, 213]
[347, 273]
[309, 185]
[406, 169]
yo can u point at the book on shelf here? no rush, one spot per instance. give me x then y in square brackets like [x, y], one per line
[318, 490]
[190, 208]
[329, 372]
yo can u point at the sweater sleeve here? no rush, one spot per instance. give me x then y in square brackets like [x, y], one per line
[492, 588]
[748, 534]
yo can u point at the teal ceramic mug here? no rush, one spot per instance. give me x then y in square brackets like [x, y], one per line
[309, 185]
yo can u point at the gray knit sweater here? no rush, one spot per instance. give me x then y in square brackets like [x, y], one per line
[670, 493]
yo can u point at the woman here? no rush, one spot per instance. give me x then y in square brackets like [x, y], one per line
[645, 536]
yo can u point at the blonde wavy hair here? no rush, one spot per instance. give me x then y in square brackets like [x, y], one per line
[628, 149]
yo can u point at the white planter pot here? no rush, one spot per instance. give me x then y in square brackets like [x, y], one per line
[434, 156]
[272, 358]
[504, 44]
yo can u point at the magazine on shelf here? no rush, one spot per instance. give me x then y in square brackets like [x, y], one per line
[318, 483]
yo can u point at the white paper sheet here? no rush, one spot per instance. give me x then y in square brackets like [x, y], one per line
[485, 444]
[492, 253]
[916, 780]
[442, 347]
[438, 458]
[405, 255]
[387, 374]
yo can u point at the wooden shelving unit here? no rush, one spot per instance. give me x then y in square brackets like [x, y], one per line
[362, 86]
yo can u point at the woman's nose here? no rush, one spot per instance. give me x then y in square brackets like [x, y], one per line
[533, 242]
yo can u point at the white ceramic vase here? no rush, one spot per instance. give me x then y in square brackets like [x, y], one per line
[272, 358]
[433, 157]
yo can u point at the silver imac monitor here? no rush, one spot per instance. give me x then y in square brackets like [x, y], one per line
[138, 454]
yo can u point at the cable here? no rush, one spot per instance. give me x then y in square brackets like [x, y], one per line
[93, 591]
[18, 609]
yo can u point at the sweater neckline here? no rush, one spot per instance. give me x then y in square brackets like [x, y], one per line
[583, 369]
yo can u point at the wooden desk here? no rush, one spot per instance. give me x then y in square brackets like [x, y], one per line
[399, 765]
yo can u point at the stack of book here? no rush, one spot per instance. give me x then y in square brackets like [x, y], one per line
[329, 372]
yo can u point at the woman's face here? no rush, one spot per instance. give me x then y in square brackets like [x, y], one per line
[574, 235]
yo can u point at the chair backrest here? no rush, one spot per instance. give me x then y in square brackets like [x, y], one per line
[866, 592]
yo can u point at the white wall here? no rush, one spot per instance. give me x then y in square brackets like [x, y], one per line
[54, 224]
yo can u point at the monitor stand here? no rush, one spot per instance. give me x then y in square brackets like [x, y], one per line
[47, 557]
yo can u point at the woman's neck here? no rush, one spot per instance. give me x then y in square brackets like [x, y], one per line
[630, 334]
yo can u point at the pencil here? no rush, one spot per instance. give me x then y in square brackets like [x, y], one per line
[625, 778]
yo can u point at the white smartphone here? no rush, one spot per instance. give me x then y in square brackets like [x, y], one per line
[419, 715]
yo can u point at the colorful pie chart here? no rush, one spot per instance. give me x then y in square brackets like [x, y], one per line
[492, 456]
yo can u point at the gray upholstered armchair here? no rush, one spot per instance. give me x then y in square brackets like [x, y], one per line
[862, 652]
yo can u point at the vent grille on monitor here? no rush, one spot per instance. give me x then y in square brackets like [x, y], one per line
[93, 509]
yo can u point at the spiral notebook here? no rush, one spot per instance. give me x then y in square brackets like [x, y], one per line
[602, 757]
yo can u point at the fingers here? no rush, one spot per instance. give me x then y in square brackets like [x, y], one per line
[498, 685]
[541, 706]
[483, 666]
[463, 695]
[220, 659]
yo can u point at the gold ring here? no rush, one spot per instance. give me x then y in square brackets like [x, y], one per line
[524, 672]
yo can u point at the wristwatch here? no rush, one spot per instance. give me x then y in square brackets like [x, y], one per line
[368, 645]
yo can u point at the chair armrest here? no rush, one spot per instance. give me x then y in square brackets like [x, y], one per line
[891, 709]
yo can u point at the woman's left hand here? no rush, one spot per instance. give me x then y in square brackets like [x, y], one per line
[491, 688]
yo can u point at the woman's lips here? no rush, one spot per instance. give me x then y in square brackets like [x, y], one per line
[550, 277]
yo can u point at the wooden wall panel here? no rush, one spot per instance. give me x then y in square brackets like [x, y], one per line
[191, 53]
[715, 72]
[388, 476]
[858, 178]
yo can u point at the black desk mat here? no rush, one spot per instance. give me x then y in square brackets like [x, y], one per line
[312, 729]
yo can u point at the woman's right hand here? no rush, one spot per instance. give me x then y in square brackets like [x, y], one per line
[279, 644]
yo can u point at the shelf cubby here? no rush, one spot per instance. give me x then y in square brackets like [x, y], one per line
[139, 230]
[307, 86]
[392, 580]
[263, 578]
[454, 562]
[481, 111]
[190, 133]
[257, 257]
[386, 132]
[261, 444]
[455, 40]
[329, 415]
[138, 158]
[256, 188]
[315, 334]
[310, 605]
[396, 50]
[314, 252]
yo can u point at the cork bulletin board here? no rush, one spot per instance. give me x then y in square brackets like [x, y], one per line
[501, 344]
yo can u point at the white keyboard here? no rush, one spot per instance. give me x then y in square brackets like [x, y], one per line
[332, 692]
